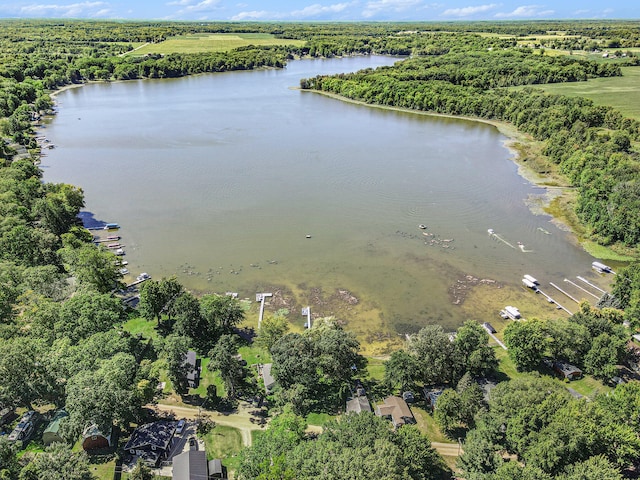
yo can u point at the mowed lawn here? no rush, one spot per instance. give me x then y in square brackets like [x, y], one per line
[212, 42]
[621, 93]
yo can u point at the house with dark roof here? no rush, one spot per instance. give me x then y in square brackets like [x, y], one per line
[396, 410]
[358, 405]
[193, 369]
[566, 370]
[193, 465]
[152, 441]
[52, 432]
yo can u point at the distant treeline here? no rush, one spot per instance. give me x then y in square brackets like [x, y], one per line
[590, 144]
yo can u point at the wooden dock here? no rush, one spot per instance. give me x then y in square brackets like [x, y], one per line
[260, 297]
[563, 292]
[580, 288]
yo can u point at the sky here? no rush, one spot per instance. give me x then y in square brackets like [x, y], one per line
[313, 10]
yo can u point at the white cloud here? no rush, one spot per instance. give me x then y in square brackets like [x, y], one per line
[181, 3]
[526, 11]
[204, 5]
[252, 15]
[83, 9]
[375, 7]
[317, 9]
[468, 11]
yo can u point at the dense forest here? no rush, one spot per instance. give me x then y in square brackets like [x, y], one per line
[62, 341]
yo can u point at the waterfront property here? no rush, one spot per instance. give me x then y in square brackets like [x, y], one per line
[152, 442]
[396, 410]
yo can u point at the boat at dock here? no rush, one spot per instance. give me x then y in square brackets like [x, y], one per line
[529, 284]
[491, 231]
[113, 237]
[422, 226]
[111, 226]
[510, 312]
[115, 245]
[601, 267]
[119, 252]
[531, 279]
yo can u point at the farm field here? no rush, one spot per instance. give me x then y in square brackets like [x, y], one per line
[622, 93]
[215, 42]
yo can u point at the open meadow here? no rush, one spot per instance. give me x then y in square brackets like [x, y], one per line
[211, 42]
[621, 93]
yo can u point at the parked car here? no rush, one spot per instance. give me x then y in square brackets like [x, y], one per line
[180, 427]
[408, 397]
[193, 443]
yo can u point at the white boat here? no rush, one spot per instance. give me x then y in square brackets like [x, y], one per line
[491, 231]
[529, 284]
[124, 271]
[422, 226]
[143, 276]
[512, 312]
[119, 251]
[531, 279]
[601, 267]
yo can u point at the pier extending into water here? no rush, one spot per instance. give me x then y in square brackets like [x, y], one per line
[583, 289]
[260, 297]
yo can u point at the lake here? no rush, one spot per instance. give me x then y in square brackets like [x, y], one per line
[220, 178]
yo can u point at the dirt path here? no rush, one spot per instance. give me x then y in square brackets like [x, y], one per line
[137, 48]
[241, 419]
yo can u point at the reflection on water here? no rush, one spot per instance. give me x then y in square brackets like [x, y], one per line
[220, 178]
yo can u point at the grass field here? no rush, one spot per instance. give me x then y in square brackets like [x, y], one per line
[211, 42]
[224, 443]
[621, 93]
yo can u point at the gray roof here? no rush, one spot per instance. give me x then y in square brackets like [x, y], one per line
[358, 405]
[269, 381]
[190, 465]
[157, 434]
[397, 409]
[215, 466]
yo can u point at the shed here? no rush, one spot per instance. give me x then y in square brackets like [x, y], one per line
[51, 433]
[94, 439]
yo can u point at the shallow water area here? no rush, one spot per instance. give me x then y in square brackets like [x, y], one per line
[238, 182]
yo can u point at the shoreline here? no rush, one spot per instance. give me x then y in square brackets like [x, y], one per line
[519, 144]
[555, 188]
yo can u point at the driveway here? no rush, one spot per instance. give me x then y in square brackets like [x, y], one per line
[240, 419]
